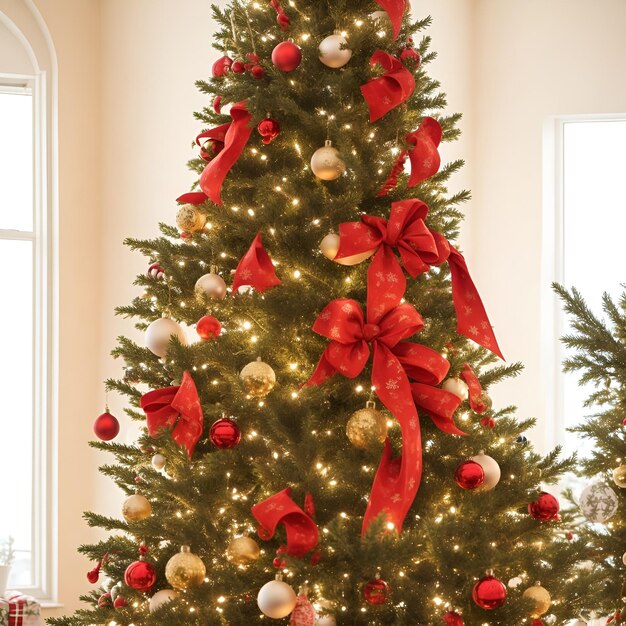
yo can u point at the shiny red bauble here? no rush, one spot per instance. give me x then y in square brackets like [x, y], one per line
[106, 427]
[221, 66]
[469, 475]
[452, 618]
[120, 602]
[225, 433]
[269, 129]
[238, 67]
[257, 71]
[545, 508]
[211, 149]
[376, 591]
[410, 56]
[208, 327]
[286, 56]
[489, 593]
[140, 576]
[104, 600]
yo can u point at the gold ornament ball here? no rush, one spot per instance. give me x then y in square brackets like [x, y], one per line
[185, 570]
[329, 247]
[243, 551]
[540, 596]
[258, 379]
[367, 427]
[210, 287]
[190, 219]
[326, 163]
[619, 476]
[136, 508]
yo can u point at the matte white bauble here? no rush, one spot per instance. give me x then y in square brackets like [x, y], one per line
[159, 334]
[491, 469]
[276, 599]
[245, 290]
[326, 162]
[378, 15]
[456, 386]
[329, 247]
[325, 620]
[210, 286]
[158, 462]
[332, 52]
[162, 597]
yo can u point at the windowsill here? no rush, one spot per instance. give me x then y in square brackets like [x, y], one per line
[48, 604]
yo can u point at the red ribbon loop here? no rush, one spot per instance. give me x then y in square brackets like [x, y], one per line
[475, 389]
[302, 531]
[177, 409]
[193, 197]
[395, 10]
[386, 92]
[235, 140]
[256, 268]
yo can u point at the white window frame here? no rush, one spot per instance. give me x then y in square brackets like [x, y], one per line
[553, 270]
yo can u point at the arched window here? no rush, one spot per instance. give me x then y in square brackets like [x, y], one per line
[27, 262]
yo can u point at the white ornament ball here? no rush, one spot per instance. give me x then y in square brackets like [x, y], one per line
[162, 597]
[332, 51]
[378, 15]
[456, 386]
[159, 333]
[329, 247]
[325, 620]
[492, 472]
[158, 462]
[515, 582]
[211, 286]
[598, 503]
[276, 599]
[326, 163]
[245, 290]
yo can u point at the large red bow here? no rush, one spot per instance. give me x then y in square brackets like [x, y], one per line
[419, 248]
[302, 531]
[177, 409]
[395, 10]
[388, 91]
[256, 268]
[235, 140]
[424, 156]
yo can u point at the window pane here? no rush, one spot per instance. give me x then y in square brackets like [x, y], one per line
[16, 161]
[594, 199]
[16, 390]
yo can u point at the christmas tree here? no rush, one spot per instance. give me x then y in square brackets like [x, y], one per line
[598, 352]
[331, 425]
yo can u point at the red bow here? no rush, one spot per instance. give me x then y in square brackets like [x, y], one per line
[475, 389]
[388, 91]
[282, 18]
[395, 10]
[419, 248]
[424, 156]
[177, 409]
[302, 531]
[235, 140]
[256, 268]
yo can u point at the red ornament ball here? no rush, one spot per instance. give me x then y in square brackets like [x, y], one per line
[569, 536]
[269, 129]
[469, 475]
[488, 422]
[286, 56]
[376, 591]
[106, 427]
[225, 433]
[119, 602]
[489, 593]
[452, 618]
[257, 71]
[412, 57]
[238, 67]
[537, 622]
[140, 575]
[221, 66]
[545, 508]
[211, 149]
[104, 600]
[208, 327]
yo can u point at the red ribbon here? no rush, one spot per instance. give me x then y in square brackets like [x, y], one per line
[256, 268]
[395, 10]
[475, 389]
[235, 140]
[177, 409]
[419, 248]
[282, 18]
[302, 531]
[193, 197]
[386, 92]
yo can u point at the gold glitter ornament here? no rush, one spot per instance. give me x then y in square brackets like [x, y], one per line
[243, 551]
[136, 508]
[258, 378]
[541, 597]
[185, 570]
[190, 219]
[367, 427]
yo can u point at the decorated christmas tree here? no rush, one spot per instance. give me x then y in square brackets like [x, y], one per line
[325, 450]
[598, 351]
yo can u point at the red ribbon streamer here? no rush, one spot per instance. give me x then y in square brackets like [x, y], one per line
[475, 389]
[302, 531]
[177, 409]
[282, 18]
[235, 140]
[193, 197]
[395, 10]
[386, 92]
[419, 248]
[256, 268]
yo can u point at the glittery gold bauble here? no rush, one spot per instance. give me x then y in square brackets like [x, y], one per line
[136, 508]
[243, 551]
[540, 596]
[619, 476]
[185, 570]
[258, 378]
[367, 427]
[190, 219]
[326, 162]
[329, 247]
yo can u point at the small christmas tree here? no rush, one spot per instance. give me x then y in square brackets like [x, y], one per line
[360, 458]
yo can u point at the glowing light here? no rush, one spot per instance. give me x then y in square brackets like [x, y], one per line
[297, 274]
[254, 339]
